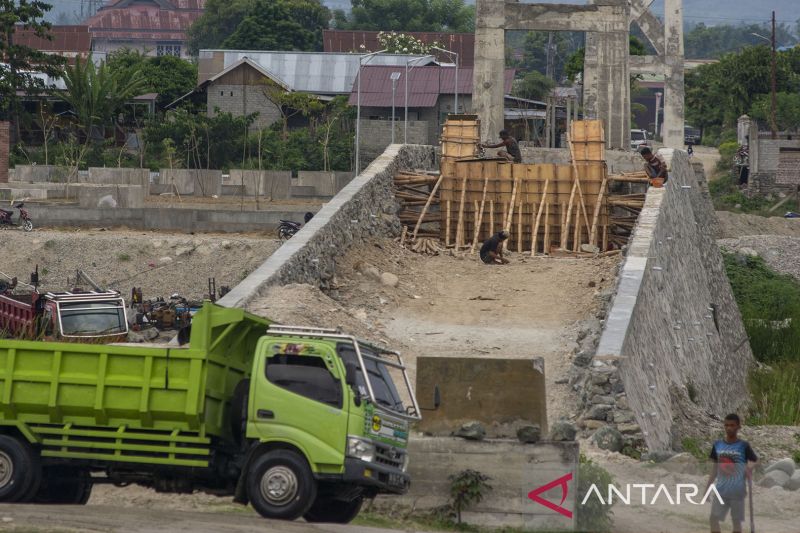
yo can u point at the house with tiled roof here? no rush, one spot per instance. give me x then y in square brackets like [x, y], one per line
[155, 27]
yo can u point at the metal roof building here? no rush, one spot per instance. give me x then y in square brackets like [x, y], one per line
[360, 40]
[425, 85]
[311, 72]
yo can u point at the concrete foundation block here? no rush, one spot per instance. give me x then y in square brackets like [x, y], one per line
[40, 174]
[198, 182]
[123, 196]
[119, 176]
[323, 182]
[273, 184]
[303, 191]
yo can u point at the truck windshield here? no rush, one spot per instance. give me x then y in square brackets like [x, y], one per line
[638, 136]
[381, 380]
[92, 318]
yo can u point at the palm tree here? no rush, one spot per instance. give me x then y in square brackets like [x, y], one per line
[96, 94]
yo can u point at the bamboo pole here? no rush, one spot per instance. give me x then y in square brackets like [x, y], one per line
[509, 221]
[425, 209]
[577, 179]
[567, 211]
[480, 214]
[475, 224]
[491, 217]
[519, 228]
[546, 242]
[598, 205]
[575, 238]
[539, 217]
[605, 238]
[460, 226]
[447, 225]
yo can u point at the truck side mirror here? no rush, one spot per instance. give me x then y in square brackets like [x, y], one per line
[350, 374]
[437, 397]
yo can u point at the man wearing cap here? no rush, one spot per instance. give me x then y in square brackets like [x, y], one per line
[492, 249]
[511, 152]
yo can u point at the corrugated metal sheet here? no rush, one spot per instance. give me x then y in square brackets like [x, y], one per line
[125, 20]
[356, 41]
[312, 72]
[425, 84]
[76, 39]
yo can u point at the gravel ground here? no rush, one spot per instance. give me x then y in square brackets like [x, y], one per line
[781, 253]
[160, 263]
[733, 225]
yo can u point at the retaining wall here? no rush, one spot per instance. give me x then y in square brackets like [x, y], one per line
[365, 207]
[274, 184]
[40, 174]
[674, 334]
[96, 195]
[119, 176]
[165, 219]
[198, 182]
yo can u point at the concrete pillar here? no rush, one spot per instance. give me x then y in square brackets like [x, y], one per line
[673, 86]
[743, 130]
[489, 68]
[549, 102]
[4, 147]
[606, 86]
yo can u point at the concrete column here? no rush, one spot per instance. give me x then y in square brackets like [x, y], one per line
[489, 68]
[547, 122]
[673, 86]
[606, 88]
[743, 130]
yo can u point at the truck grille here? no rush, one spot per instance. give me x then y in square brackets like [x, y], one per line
[389, 455]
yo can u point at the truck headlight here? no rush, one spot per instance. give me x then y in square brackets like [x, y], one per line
[360, 449]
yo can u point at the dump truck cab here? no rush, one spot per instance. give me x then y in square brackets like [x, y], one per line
[332, 399]
[97, 316]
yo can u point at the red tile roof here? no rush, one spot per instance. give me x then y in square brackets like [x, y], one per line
[66, 39]
[425, 84]
[350, 41]
[126, 19]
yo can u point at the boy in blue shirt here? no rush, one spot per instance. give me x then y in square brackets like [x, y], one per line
[734, 461]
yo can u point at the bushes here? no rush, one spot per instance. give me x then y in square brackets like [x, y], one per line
[727, 151]
[594, 517]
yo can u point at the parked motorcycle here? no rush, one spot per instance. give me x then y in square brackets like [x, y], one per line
[23, 221]
[287, 229]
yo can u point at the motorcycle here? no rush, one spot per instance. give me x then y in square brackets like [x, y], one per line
[287, 229]
[24, 220]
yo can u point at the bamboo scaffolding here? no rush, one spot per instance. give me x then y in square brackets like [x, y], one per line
[479, 216]
[596, 216]
[427, 205]
[539, 217]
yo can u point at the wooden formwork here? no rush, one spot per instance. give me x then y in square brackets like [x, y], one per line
[486, 196]
[588, 140]
[460, 137]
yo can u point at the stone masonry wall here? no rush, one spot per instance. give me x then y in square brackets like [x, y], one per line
[4, 152]
[365, 207]
[673, 349]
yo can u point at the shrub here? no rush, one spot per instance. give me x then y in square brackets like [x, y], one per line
[727, 150]
[594, 517]
[776, 396]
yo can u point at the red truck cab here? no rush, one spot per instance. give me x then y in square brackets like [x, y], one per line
[90, 316]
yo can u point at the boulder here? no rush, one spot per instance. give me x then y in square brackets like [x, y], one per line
[389, 279]
[784, 465]
[775, 478]
[599, 412]
[682, 463]
[563, 430]
[529, 434]
[794, 482]
[471, 431]
[608, 438]
[658, 456]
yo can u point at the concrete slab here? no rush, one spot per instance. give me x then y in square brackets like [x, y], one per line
[97, 196]
[323, 182]
[198, 182]
[40, 174]
[272, 184]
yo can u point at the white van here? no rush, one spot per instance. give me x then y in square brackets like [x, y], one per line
[638, 138]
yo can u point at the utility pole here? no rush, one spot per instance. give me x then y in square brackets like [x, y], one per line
[550, 57]
[774, 105]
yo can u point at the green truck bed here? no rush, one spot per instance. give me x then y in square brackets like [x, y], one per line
[130, 403]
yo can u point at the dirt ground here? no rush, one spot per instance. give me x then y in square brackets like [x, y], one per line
[735, 225]
[457, 306]
[161, 263]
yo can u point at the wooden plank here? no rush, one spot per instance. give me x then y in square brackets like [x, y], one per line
[597, 206]
[425, 209]
[460, 226]
[539, 217]
[479, 218]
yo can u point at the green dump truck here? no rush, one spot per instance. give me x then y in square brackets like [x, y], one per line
[295, 421]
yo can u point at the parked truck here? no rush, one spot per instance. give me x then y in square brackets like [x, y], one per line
[95, 315]
[299, 422]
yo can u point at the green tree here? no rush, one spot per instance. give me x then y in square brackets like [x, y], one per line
[219, 20]
[711, 42]
[574, 65]
[290, 103]
[95, 95]
[169, 76]
[787, 111]
[281, 25]
[534, 51]
[408, 15]
[18, 61]
[534, 86]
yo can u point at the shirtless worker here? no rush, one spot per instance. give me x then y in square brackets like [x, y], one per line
[511, 146]
[492, 249]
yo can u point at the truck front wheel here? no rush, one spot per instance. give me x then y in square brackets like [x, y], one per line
[280, 485]
[20, 471]
[334, 511]
[65, 486]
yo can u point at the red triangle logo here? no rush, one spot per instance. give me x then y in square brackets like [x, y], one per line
[560, 482]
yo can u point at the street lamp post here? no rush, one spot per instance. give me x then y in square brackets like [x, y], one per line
[450, 52]
[658, 108]
[394, 77]
[405, 99]
[361, 63]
